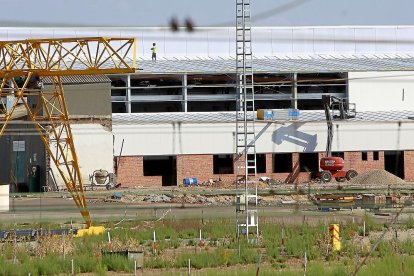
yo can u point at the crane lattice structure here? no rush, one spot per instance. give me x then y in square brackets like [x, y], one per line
[23, 65]
[245, 159]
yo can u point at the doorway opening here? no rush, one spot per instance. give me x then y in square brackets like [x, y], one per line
[282, 162]
[261, 162]
[164, 166]
[309, 161]
[223, 164]
[394, 162]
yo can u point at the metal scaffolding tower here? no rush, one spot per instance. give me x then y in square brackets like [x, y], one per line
[245, 159]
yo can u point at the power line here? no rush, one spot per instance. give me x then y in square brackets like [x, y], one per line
[258, 17]
[268, 13]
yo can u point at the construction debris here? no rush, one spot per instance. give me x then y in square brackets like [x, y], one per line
[157, 198]
[116, 196]
[206, 200]
[270, 181]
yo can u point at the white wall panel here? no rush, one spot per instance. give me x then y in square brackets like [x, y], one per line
[365, 40]
[382, 91]
[164, 139]
[345, 40]
[386, 40]
[303, 41]
[170, 139]
[196, 44]
[282, 41]
[213, 42]
[93, 144]
[262, 42]
[323, 42]
[405, 39]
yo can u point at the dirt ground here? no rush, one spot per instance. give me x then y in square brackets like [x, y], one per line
[212, 201]
[184, 271]
[63, 210]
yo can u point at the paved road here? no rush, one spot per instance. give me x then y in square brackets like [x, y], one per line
[61, 210]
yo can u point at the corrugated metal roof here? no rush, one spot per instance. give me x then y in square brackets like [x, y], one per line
[283, 64]
[229, 117]
[79, 79]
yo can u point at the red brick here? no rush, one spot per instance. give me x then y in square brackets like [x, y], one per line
[131, 173]
[130, 169]
[409, 165]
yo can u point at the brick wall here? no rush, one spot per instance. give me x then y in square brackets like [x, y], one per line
[201, 167]
[131, 173]
[353, 160]
[130, 170]
[409, 165]
[295, 176]
[194, 165]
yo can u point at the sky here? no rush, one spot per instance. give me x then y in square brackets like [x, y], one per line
[157, 13]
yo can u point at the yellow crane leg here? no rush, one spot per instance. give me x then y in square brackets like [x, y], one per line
[51, 119]
[55, 57]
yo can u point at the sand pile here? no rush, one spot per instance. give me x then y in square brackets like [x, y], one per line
[377, 177]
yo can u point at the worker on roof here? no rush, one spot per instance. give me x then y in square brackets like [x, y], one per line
[154, 52]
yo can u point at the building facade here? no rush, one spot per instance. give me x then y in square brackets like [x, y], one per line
[174, 118]
[164, 149]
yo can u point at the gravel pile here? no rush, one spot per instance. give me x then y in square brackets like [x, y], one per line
[377, 177]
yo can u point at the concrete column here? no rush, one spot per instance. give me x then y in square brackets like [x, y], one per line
[184, 93]
[294, 96]
[128, 95]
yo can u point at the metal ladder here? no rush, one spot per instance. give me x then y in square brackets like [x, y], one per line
[245, 158]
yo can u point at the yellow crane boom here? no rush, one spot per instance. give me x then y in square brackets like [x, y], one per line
[67, 56]
[33, 59]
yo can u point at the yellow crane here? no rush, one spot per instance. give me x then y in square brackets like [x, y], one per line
[23, 65]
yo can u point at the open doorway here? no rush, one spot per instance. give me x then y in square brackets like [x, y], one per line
[282, 162]
[309, 161]
[394, 162]
[261, 162]
[223, 164]
[164, 166]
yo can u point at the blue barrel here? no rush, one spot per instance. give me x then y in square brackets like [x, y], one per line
[190, 181]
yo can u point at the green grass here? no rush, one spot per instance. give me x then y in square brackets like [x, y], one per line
[173, 254]
[391, 264]
[409, 223]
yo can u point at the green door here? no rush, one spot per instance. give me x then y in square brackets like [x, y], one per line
[18, 161]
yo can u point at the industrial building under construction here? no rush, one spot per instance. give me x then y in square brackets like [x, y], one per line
[174, 118]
